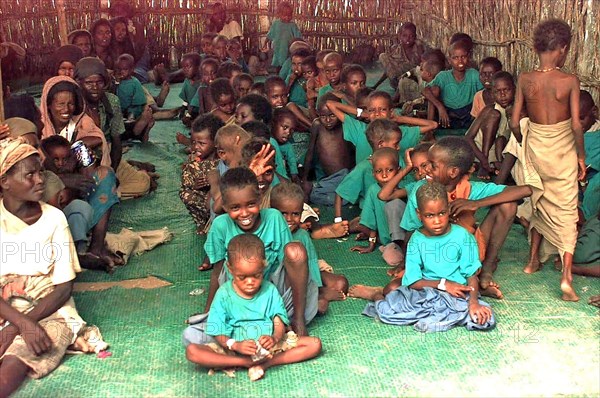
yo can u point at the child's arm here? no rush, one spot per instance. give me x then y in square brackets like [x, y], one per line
[308, 159]
[479, 314]
[390, 190]
[372, 243]
[577, 128]
[246, 347]
[304, 122]
[340, 110]
[337, 206]
[509, 194]
[215, 191]
[519, 102]
[431, 94]
[453, 288]
[269, 342]
[425, 126]
[311, 97]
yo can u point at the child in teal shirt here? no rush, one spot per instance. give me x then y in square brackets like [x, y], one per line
[284, 123]
[281, 33]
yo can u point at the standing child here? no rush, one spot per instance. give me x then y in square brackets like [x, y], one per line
[281, 33]
[488, 67]
[289, 200]
[452, 91]
[553, 146]
[195, 186]
[284, 123]
[248, 317]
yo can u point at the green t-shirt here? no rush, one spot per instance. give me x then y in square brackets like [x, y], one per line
[479, 190]
[189, 90]
[245, 319]
[324, 90]
[281, 34]
[455, 94]
[353, 187]
[131, 96]
[302, 236]
[272, 230]
[297, 93]
[591, 141]
[355, 133]
[279, 160]
[454, 256]
[373, 216]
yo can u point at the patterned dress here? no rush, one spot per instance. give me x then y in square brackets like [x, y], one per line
[195, 188]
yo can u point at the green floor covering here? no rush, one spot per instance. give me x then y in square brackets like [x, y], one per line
[541, 347]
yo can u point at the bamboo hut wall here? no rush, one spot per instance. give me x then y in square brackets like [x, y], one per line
[501, 28]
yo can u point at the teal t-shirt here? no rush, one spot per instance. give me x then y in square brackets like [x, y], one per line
[453, 256]
[189, 90]
[324, 90]
[373, 216]
[479, 190]
[455, 94]
[279, 160]
[302, 236]
[245, 319]
[289, 157]
[354, 132]
[353, 187]
[131, 96]
[591, 142]
[411, 136]
[286, 69]
[281, 34]
[272, 230]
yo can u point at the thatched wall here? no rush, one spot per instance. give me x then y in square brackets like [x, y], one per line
[501, 28]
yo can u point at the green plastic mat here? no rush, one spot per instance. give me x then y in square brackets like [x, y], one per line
[541, 347]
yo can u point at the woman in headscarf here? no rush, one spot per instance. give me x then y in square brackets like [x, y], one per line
[65, 59]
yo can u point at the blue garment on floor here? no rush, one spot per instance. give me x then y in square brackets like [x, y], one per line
[429, 310]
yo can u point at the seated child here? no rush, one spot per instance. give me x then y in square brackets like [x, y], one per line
[253, 107]
[328, 153]
[452, 91]
[450, 161]
[373, 215]
[194, 176]
[248, 316]
[206, 40]
[190, 65]
[332, 66]
[229, 70]
[223, 97]
[310, 73]
[277, 93]
[286, 261]
[60, 159]
[236, 54]
[295, 80]
[433, 63]
[202, 101]
[490, 131]
[258, 88]
[354, 78]
[242, 84]
[34, 344]
[289, 200]
[265, 174]
[219, 46]
[488, 67]
[437, 292]
[590, 125]
[281, 33]
[284, 123]
[138, 118]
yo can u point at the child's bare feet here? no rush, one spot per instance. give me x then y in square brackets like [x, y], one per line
[322, 306]
[595, 301]
[182, 139]
[331, 294]
[81, 345]
[331, 231]
[256, 372]
[483, 174]
[567, 289]
[205, 266]
[354, 225]
[533, 266]
[160, 73]
[371, 293]
[493, 291]
[162, 95]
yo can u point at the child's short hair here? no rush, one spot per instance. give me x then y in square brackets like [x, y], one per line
[257, 129]
[227, 68]
[229, 133]
[381, 130]
[383, 153]
[219, 87]
[409, 26]
[434, 54]
[127, 58]
[422, 148]
[503, 75]
[430, 191]
[381, 94]
[284, 5]
[259, 87]
[210, 61]
[322, 54]
[280, 113]
[311, 62]
[433, 66]
[251, 148]
[326, 97]
[194, 57]
[245, 246]
[260, 106]
[54, 141]
[219, 38]
[272, 82]
[550, 35]
[334, 57]
[458, 152]
[462, 44]
[302, 52]
[491, 61]
[286, 191]
[362, 94]
[243, 77]
[207, 121]
[238, 178]
[586, 101]
[350, 69]
[467, 41]
[208, 35]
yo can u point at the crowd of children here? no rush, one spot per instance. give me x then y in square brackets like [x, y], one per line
[250, 190]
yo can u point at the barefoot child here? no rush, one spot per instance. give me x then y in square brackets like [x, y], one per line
[284, 124]
[553, 146]
[247, 316]
[194, 176]
[288, 198]
[286, 261]
[190, 64]
[437, 292]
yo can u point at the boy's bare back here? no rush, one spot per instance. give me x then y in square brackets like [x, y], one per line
[334, 153]
[548, 95]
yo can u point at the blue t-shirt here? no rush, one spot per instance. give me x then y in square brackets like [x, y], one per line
[453, 256]
[245, 319]
[456, 95]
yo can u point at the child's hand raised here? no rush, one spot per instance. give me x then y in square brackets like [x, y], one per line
[407, 159]
[246, 347]
[457, 289]
[259, 162]
[480, 313]
[267, 342]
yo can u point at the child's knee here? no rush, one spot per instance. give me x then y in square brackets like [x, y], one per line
[295, 253]
[340, 283]
[507, 210]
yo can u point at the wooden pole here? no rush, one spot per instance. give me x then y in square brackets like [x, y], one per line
[62, 22]
[1, 99]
